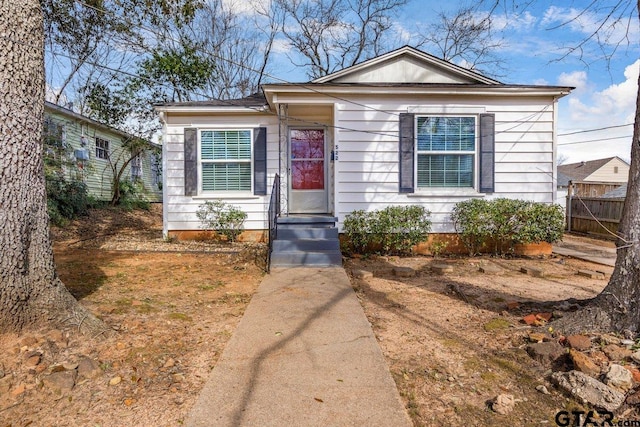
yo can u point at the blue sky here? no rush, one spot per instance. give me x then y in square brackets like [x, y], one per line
[534, 46]
[605, 91]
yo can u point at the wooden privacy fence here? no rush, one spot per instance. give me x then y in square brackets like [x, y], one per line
[594, 215]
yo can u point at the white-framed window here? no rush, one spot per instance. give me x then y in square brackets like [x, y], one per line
[224, 160]
[446, 151]
[102, 148]
[136, 168]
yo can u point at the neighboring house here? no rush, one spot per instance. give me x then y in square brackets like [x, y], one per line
[591, 179]
[611, 169]
[92, 145]
[400, 129]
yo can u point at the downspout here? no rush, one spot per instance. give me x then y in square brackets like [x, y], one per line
[554, 144]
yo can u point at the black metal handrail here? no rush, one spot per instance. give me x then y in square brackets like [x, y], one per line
[274, 213]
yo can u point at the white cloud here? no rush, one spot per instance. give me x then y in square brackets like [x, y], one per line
[577, 79]
[610, 30]
[616, 101]
[519, 22]
[588, 110]
[245, 7]
[281, 45]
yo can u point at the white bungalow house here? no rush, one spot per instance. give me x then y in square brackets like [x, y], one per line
[402, 128]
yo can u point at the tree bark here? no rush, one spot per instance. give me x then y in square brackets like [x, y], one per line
[617, 307]
[31, 294]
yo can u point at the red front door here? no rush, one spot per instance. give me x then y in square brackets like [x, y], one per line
[308, 171]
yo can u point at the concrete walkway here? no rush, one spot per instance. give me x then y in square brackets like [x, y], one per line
[597, 252]
[303, 354]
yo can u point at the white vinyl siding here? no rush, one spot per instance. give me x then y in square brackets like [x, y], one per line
[225, 160]
[446, 148]
[366, 167]
[180, 210]
[367, 173]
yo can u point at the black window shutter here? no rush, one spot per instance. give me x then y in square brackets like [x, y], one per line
[260, 161]
[487, 152]
[190, 161]
[407, 126]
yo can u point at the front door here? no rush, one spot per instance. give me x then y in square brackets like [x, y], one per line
[308, 166]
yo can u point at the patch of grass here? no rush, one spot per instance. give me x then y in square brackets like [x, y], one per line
[496, 323]
[145, 309]
[488, 376]
[180, 316]
[450, 343]
[211, 286]
[234, 298]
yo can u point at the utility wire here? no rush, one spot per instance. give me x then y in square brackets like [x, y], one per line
[518, 123]
[595, 130]
[596, 140]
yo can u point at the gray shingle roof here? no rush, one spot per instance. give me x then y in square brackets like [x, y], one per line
[579, 171]
[618, 193]
[255, 100]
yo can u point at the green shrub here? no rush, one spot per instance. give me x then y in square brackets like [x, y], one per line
[541, 223]
[357, 227]
[472, 221]
[393, 230]
[133, 195]
[225, 219]
[65, 199]
[506, 221]
[503, 223]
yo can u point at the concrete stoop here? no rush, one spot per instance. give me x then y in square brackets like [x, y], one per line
[306, 241]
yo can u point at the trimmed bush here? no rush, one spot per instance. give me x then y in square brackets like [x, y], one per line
[392, 230]
[541, 223]
[224, 219]
[502, 223]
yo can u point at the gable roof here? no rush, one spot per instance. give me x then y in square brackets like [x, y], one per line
[581, 170]
[406, 65]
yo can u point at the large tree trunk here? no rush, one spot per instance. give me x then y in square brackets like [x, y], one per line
[31, 294]
[617, 307]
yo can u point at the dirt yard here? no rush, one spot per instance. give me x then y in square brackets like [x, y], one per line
[453, 341]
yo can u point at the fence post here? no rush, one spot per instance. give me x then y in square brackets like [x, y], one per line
[569, 198]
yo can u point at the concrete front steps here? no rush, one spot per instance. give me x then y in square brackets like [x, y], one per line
[306, 241]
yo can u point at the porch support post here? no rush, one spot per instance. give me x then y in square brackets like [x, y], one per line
[283, 161]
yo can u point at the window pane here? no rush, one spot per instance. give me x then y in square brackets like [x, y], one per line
[446, 133]
[307, 175]
[226, 176]
[445, 170]
[225, 145]
[307, 144]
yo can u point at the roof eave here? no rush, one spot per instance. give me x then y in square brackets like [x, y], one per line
[208, 108]
[270, 90]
